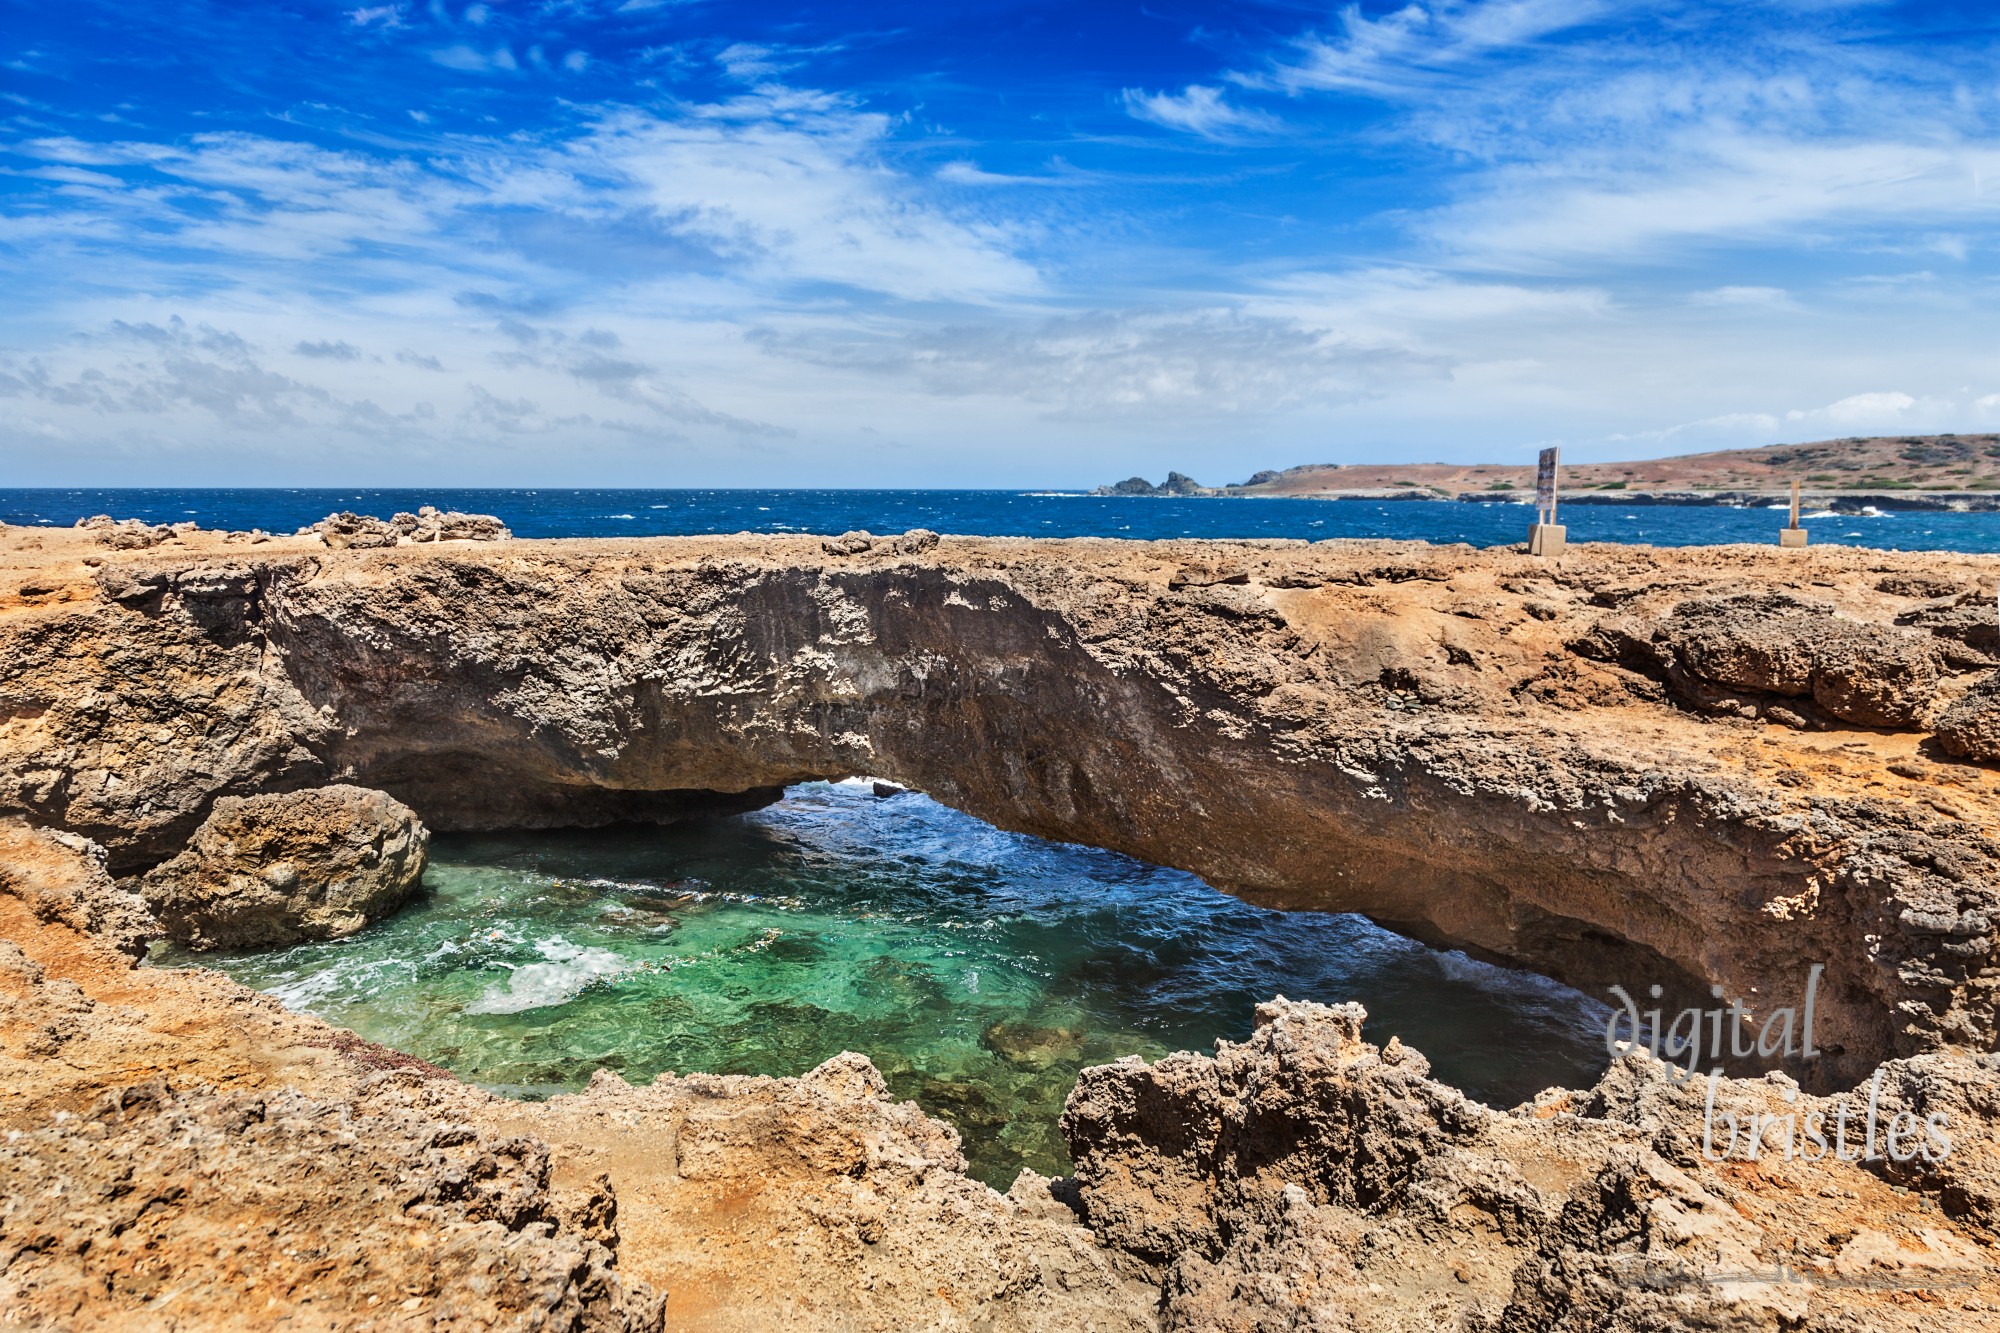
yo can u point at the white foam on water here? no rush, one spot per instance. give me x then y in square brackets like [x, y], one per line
[570, 967]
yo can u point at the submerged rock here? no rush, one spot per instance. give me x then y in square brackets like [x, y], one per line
[279, 869]
[1034, 1047]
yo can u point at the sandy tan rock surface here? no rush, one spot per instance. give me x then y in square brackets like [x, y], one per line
[1304, 1179]
[180, 1152]
[1684, 768]
[1694, 768]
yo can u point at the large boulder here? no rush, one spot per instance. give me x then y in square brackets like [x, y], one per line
[1793, 647]
[1970, 728]
[287, 867]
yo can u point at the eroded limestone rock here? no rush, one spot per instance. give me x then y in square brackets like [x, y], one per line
[226, 1209]
[1407, 731]
[429, 524]
[130, 534]
[1304, 1179]
[1970, 728]
[849, 543]
[62, 877]
[292, 866]
[1793, 647]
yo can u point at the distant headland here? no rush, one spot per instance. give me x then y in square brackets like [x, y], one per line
[1944, 472]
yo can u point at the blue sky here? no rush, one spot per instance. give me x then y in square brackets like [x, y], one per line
[678, 242]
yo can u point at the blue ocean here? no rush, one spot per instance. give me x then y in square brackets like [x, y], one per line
[652, 513]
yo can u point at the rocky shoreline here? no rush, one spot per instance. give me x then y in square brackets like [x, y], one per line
[1856, 502]
[1694, 769]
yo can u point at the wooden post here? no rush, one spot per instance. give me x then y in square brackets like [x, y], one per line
[1792, 534]
[1546, 538]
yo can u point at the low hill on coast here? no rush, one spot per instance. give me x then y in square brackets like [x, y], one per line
[1906, 471]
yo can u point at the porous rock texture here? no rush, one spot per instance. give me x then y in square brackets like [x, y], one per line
[286, 867]
[177, 1151]
[1516, 756]
[213, 1210]
[62, 878]
[1306, 1180]
[1970, 728]
[346, 530]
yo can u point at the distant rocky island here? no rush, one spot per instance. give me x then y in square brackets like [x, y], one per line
[1945, 472]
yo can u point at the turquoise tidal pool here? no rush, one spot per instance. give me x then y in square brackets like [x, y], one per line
[980, 970]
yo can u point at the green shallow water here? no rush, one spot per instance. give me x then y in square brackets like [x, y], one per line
[980, 970]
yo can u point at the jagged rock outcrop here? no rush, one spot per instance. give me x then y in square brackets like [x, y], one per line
[429, 524]
[848, 543]
[874, 1219]
[278, 869]
[1970, 728]
[1715, 651]
[1304, 1179]
[62, 878]
[219, 1210]
[1965, 625]
[1423, 734]
[130, 534]
[327, 1180]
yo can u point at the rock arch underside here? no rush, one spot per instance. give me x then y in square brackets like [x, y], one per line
[1691, 768]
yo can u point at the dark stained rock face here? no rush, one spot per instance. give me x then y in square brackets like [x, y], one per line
[292, 866]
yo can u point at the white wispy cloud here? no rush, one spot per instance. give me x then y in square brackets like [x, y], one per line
[471, 60]
[1745, 297]
[1144, 365]
[1716, 188]
[1197, 109]
[1406, 50]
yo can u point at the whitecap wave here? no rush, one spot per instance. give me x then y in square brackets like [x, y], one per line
[568, 969]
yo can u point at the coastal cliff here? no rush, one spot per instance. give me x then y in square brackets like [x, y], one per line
[1582, 768]
[1697, 769]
